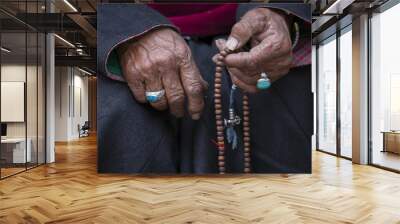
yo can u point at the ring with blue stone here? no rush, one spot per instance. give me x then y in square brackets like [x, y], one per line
[154, 96]
[264, 82]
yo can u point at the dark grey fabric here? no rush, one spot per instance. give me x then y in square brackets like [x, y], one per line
[134, 138]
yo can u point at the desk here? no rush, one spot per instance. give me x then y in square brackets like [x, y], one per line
[391, 141]
[13, 150]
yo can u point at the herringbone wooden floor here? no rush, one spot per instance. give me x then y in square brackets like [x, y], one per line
[70, 191]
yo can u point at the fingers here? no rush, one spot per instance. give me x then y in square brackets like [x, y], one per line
[220, 43]
[241, 33]
[260, 56]
[194, 86]
[174, 92]
[252, 23]
[134, 80]
[155, 84]
[249, 79]
[244, 86]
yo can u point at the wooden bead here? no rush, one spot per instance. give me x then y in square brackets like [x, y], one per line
[221, 163]
[217, 100]
[246, 154]
[246, 129]
[220, 63]
[246, 139]
[218, 75]
[220, 57]
[246, 144]
[247, 159]
[245, 118]
[246, 124]
[220, 158]
[222, 170]
[218, 106]
[220, 138]
[246, 149]
[220, 128]
[245, 103]
[217, 85]
[217, 80]
[246, 112]
[245, 108]
[218, 69]
[247, 170]
[218, 116]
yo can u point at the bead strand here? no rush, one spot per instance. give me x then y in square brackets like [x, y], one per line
[220, 123]
[246, 134]
[218, 111]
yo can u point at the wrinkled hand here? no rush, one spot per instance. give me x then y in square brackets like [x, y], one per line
[271, 49]
[162, 60]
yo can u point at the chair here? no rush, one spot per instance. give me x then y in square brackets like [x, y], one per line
[84, 130]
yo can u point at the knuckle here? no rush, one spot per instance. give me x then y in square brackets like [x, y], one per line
[183, 52]
[177, 98]
[241, 28]
[253, 62]
[145, 65]
[195, 89]
[165, 58]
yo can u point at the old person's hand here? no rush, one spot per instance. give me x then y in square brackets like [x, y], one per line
[267, 33]
[161, 60]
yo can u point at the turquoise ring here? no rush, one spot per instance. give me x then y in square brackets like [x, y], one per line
[154, 96]
[264, 82]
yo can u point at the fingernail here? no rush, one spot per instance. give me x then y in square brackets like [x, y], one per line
[232, 43]
[196, 116]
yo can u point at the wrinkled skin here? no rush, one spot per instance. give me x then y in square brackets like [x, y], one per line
[159, 60]
[268, 34]
[162, 60]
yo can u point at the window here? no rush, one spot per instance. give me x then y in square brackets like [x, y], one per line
[327, 95]
[385, 89]
[346, 92]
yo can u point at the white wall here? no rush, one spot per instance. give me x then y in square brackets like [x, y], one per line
[71, 102]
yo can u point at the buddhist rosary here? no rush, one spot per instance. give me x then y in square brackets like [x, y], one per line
[263, 83]
[232, 121]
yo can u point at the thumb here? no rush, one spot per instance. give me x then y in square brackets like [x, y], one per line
[221, 44]
[240, 35]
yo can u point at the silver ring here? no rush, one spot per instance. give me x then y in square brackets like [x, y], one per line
[263, 75]
[263, 82]
[154, 96]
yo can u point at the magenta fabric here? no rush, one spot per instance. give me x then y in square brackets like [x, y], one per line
[197, 19]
